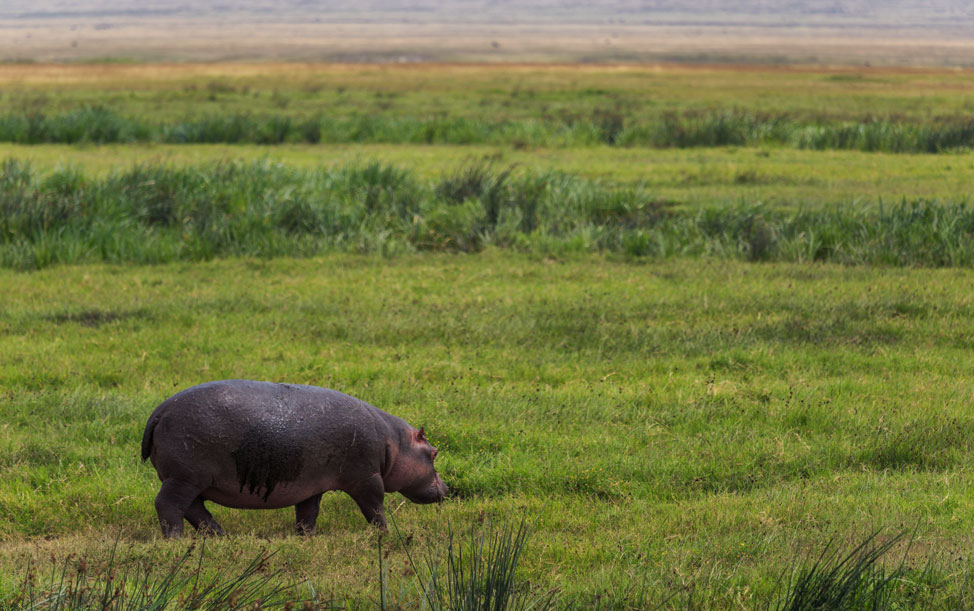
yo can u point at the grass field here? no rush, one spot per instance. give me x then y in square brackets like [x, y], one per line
[688, 368]
[673, 424]
[690, 178]
[527, 106]
[153, 213]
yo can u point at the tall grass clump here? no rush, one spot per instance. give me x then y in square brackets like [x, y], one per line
[887, 136]
[94, 124]
[707, 129]
[82, 583]
[235, 129]
[477, 573]
[153, 213]
[854, 580]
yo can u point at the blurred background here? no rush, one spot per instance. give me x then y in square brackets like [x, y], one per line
[904, 32]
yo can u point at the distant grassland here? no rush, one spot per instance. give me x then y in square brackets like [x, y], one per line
[96, 124]
[519, 106]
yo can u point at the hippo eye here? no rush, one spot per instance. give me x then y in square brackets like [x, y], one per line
[435, 452]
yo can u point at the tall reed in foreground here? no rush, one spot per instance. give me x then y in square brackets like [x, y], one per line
[80, 583]
[477, 571]
[848, 581]
[477, 574]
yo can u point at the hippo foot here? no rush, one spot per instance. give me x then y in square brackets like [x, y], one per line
[202, 520]
[178, 500]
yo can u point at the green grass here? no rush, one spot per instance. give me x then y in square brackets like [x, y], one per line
[668, 427]
[475, 573]
[99, 125]
[781, 178]
[162, 213]
[890, 110]
[849, 580]
[121, 583]
[688, 369]
[171, 92]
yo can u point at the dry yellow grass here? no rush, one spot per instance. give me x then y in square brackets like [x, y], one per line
[459, 75]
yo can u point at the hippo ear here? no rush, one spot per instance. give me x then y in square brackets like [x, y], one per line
[421, 434]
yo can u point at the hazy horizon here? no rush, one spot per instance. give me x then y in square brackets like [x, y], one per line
[904, 32]
[823, 12]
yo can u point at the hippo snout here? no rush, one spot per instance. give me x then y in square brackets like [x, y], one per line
[435, 493]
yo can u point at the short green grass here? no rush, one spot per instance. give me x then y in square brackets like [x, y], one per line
[683, 428]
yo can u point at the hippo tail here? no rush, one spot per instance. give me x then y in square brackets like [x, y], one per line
[147, 435]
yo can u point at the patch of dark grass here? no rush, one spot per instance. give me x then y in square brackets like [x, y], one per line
[832, 331]
[934, 443]
[508, 202]
[33, 453]
[96, 317]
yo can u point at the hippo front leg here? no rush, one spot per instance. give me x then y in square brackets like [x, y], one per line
[306, 513]
[369, 494]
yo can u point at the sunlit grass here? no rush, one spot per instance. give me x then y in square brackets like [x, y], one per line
[662, 424]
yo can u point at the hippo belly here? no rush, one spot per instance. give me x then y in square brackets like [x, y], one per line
[283, 495]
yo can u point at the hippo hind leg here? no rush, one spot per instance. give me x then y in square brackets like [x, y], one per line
[172, 503]
[306, 513]
[202, 520]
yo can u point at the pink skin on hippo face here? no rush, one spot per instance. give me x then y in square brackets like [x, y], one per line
[259, 445]
[413, 475]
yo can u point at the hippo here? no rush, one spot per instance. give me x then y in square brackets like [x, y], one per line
[263, 445]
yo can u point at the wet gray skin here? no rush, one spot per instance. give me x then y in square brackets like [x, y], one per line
[261, 445]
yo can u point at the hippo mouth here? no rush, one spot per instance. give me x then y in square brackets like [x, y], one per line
[434, 493]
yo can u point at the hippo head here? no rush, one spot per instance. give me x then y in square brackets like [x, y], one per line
[412, 473]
